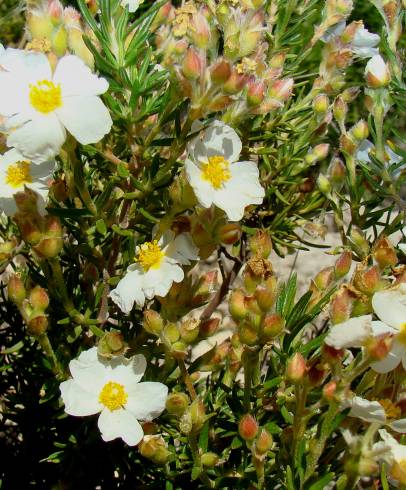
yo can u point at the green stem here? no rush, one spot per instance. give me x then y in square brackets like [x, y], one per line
[186, 379]
[299, 421]
[250, 360]
[194, 447]
[45, 343]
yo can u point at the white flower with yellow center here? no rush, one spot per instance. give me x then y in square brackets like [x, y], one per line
[390, 306]
[158, 264]
[383, 412]
[397, 459]
[16, 172]
[113, 389]
[40, 105]
[215, 174]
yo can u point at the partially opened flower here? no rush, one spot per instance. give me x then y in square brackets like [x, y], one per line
[377, 72]
[40, 105]
[113, 389]
[363, 43]
[131, 4]
[216, 175]
[16, 172]
[383, 412]
[390, 306]
[158, 264]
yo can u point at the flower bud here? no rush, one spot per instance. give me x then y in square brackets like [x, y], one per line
[377, 72]
[263, 442]
[324, 278]
[199, 30]
[16, 290]
[255, 93]
[296, 368]
[208, 327]
[7, 248]
[153, 322]
[361, 246]
[209, 460]
[248, 333]
[341, 306]
[261, 244]
[398, 472]
[273, 326]
[237, 306]
[39, 26]
[378, 348]
[58, 190]
[37, 325]
[321, 104]
[111, 344]
[384, 253]
[52, 226]
[179, 349]
[26, 201]
[38, 298]
[177, 403]
[337, 172]
[153, 447]
[192, 65]
[343, 264]
[329, 390]
[367, 280]
[197, 415]
[360, 131]
[29, 228]
[248, 427]
[189, 330]
[332, 355]
[235, 83]
[265, 297]
[318, 153]
[49, 247]
[220, 72]
[340, 109]
[229, 234]
[323, 183]
[281, 90]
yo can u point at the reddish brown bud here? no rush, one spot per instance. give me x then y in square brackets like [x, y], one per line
[265, 297]
[337, 172]
[37, 326]
[331, 355]
[192, 65]
[379, 347]
[235, 83]
[367, 280]
[329, 390]
[248, 427]
[273, 326]
[341, 305]
[324, 278]
[384, 253]
[343, 264]
[296, 368]
[39, 298]
[208, 327]
[261, 244]
[263, 442]
[237, 306]
[255, 93]
[229, 234]
[220, 72]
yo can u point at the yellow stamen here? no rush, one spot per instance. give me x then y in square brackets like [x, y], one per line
[150, 255]
[113, 396]
[18, 174]
[45, 96]
[216, 171]
[391, 410]
[401, 336]
[398, 471]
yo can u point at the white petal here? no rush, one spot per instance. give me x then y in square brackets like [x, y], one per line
[147, 400]
[218, 139]
[352, 333]
[40, 139]
[77, 401]
[380, 328]
[390, 306]
[391, 361]
[203, 190]
[120, 423]
[399, 426]
[377, 67]
[362, 154]
[89, 371]
[85, 117]
[127, 372]
[365, 52]
[333, 31]
[132, 4]
[76, 78]
[129, 291]
[370, 411]
[182, 249]
[157, 282]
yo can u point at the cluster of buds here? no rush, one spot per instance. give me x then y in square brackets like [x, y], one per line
[154, 448]
[251, 306]
[57, 30]
[31, 303]
[191, 415]
[327, 278]
[178, 336]
[241, 80]
[42, 233]
[187, 295]
[112, 344]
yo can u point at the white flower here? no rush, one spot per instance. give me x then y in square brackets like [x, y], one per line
[215, 174]
[397, 458]
[113, 389]
[16, 171]
[390, 306]
[39, 105]
[366, 147]
[132, 4]
[364, 43]
[157, 267]
[351, 333]
[377, 72]
[383, 412]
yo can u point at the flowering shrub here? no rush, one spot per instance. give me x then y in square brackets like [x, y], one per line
[155, 158]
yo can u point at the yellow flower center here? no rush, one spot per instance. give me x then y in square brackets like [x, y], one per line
[45, 96]
[150, 255]
[18, 174]
[398, 471]
[216, 171]
[113, 396]
[391, 410]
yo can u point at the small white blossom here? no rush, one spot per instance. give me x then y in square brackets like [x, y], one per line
[113, 389]
[39, 105]
[377, 72]
[363, 43]
[383, 412]
[16, 172]
[132, 5]
[390, 306]
[363, 153]
[157, 266]
[216, 175]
